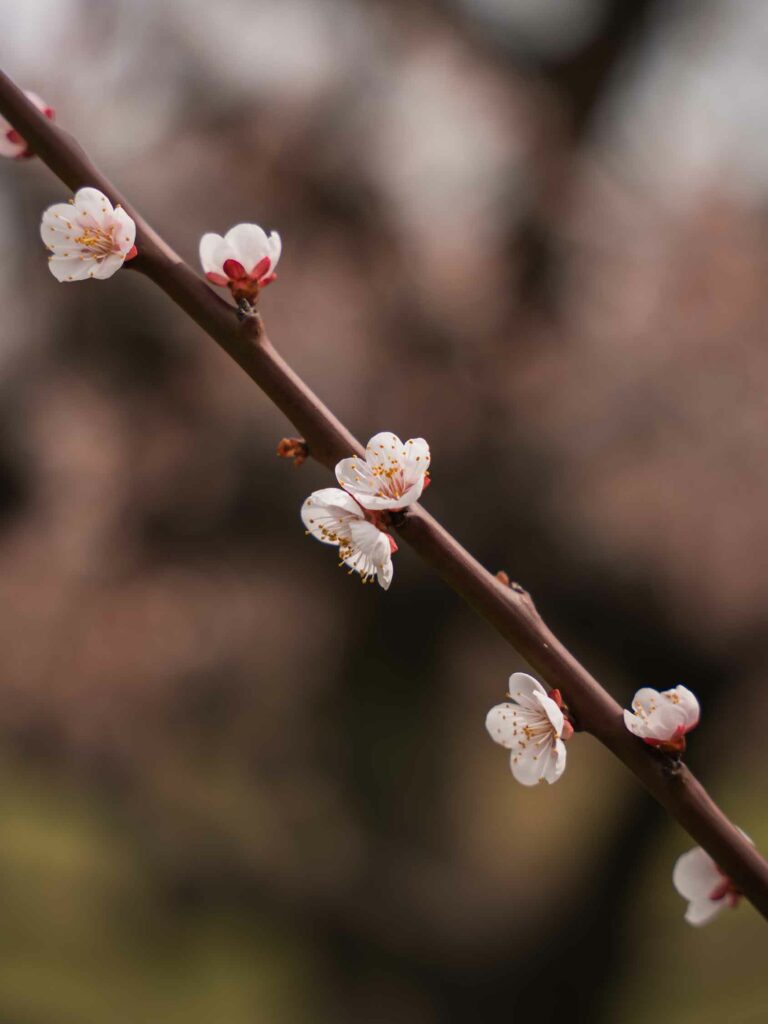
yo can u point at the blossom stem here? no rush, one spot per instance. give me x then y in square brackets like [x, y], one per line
[507, 610]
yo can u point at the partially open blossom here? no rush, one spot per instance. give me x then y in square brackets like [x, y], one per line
[533, 727]
[333, 517]
[87, 237]
[708, 890]
[662, 719]
[11, 143]
[391, 476]
[243, 260]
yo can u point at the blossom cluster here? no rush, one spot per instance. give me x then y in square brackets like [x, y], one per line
[390, 477]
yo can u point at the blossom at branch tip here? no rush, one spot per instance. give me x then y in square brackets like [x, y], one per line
[87, 237]
[12, 145]
[243, 260]
[533, 727]
[391, 476]
[706, 887]
[334, 517]
[662, 719]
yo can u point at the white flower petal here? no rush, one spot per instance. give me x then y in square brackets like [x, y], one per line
[688, 705]
[104, 268]
[209, 243]
[384, 573]
[529, 763]
[503, 723]
[70, 268]
[58, 224]
[552, 711]
[695, 874]
[221, 254]
[417, 455]
[326, 514]
[702, 911]
[250, 243]
[92, 206]
[555, 765]
[124, 230]
[275, 248]
[522, 688]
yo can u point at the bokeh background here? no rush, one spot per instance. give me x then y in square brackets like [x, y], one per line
[237, 788]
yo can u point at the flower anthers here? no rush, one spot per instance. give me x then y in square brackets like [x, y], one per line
[662, 719]
[12, 145]
[243, 260]
[87, 237]
[534, 728]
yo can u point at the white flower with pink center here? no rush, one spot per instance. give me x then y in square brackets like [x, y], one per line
[87, 237]
[662, 719]
[334, 517]
[391, 476]
[243, 260]
[700, 881]
[533, 728]
[11, 143]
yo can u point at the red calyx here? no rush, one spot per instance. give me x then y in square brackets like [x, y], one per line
[674, 745]
[235, 271]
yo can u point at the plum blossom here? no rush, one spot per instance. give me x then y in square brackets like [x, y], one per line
[391, 476]
[11, 143]
[700, 881]
[662, 719]
[243, 260]
[87, 237]
[334, 517]
[533, 727]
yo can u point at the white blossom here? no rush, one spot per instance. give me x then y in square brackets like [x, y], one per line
[334, 517]
[243, 260]
[700, 881]
[391, 476]
[662, 719]
[533, 727]
[87, 237]
[12, 145]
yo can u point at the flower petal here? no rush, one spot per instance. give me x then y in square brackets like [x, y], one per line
[503, 723]
[555, 765]
[552, 711]
[58, 225]
[326, 514]
[275, 244]
[249, 243]
[70, 268]
[108, 266]
[702, 911]
[522, 688]
[209, 243]
[124, 231]
[92, 206]
[688, 705]
[529, 763]
[695, 874]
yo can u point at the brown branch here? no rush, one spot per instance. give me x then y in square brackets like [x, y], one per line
[508, 610]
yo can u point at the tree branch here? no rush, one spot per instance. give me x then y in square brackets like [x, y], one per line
[506, 609]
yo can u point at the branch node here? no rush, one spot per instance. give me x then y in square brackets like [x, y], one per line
[295, 448]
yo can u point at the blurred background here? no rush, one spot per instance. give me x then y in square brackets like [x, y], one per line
[235, 787]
